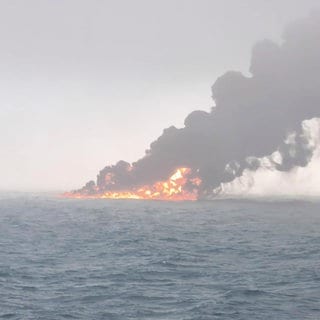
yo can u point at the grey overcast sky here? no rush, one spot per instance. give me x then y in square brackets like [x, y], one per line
[85, 83]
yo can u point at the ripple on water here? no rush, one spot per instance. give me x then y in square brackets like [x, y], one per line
[64, 259]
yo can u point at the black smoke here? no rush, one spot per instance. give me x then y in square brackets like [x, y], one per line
[252, 117]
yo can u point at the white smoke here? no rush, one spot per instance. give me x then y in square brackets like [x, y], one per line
[267, 181]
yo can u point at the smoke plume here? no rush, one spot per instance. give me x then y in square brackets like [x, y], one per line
[268, 181]
[253, 117]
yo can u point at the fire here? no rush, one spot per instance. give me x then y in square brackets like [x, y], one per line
[180, 186]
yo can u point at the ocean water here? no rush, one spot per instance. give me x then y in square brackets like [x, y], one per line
[104, 259]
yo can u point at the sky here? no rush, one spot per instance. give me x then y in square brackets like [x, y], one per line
[85, 83]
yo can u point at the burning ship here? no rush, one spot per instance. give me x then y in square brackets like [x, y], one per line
[179, 186]
[253, 117]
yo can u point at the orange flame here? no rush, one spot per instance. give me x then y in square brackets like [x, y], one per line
[178, 187]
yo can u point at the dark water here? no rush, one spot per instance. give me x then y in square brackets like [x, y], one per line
[71, 259]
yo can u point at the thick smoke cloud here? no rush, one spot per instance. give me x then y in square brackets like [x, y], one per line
[268, 181]
[252, 118]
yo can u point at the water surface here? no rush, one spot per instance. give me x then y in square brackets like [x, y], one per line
[117, 259]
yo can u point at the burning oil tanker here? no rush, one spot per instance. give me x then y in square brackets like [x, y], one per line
[252, 118]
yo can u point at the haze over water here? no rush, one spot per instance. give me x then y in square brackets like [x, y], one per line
[124, 259]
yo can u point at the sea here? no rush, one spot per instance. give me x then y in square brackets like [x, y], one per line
[129, 259]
